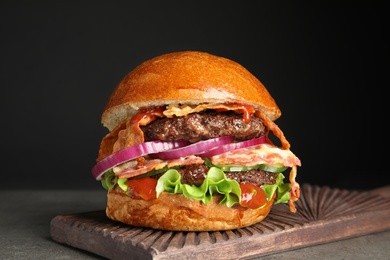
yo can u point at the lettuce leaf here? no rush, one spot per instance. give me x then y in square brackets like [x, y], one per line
[282, 190]
[109, 180]
[217, 183]
[214, 183]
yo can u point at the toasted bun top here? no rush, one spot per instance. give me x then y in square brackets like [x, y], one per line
[188, 77]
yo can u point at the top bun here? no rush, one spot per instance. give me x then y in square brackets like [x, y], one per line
[188, 77]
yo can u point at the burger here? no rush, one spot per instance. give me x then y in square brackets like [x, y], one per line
[192, 146]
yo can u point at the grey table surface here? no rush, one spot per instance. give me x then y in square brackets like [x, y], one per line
[25, 229]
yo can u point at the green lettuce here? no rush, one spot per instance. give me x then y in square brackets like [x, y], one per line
[217, 183]
[109, 179]
[281, 189]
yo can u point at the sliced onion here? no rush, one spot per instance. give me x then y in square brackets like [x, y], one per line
[195, 148]
[232, 146]
[132, 153]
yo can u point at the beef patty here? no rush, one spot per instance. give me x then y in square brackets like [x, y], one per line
[203, 126]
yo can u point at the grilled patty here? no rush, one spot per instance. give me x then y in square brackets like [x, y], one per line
[203, 126]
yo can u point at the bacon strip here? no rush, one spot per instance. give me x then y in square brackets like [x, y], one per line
[193, 159]
[134, 168]
[175, 110]
[133, 134]
[274, 128]
[261, 154]
[127, 133]
[295, 192]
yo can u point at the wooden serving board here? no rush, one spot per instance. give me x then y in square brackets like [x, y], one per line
[323, 215]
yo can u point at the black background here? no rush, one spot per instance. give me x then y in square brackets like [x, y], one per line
[326, 65]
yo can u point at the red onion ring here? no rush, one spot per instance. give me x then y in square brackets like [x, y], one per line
[132, 153]
[195, 148]
[232, 146]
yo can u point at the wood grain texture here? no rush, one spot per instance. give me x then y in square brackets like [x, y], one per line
[323, 215]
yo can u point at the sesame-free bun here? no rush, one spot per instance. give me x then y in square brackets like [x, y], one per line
[178, 213]
[187, 77]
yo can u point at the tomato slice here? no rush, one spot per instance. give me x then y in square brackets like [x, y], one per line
[252, 196]
[143, 188]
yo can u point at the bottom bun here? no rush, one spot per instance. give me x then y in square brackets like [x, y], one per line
[177, 213]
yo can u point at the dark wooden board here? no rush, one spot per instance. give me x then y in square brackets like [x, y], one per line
[323, 215]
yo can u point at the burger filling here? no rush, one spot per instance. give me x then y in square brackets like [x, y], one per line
[195, 174]
[199, 176]
[203, 126]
